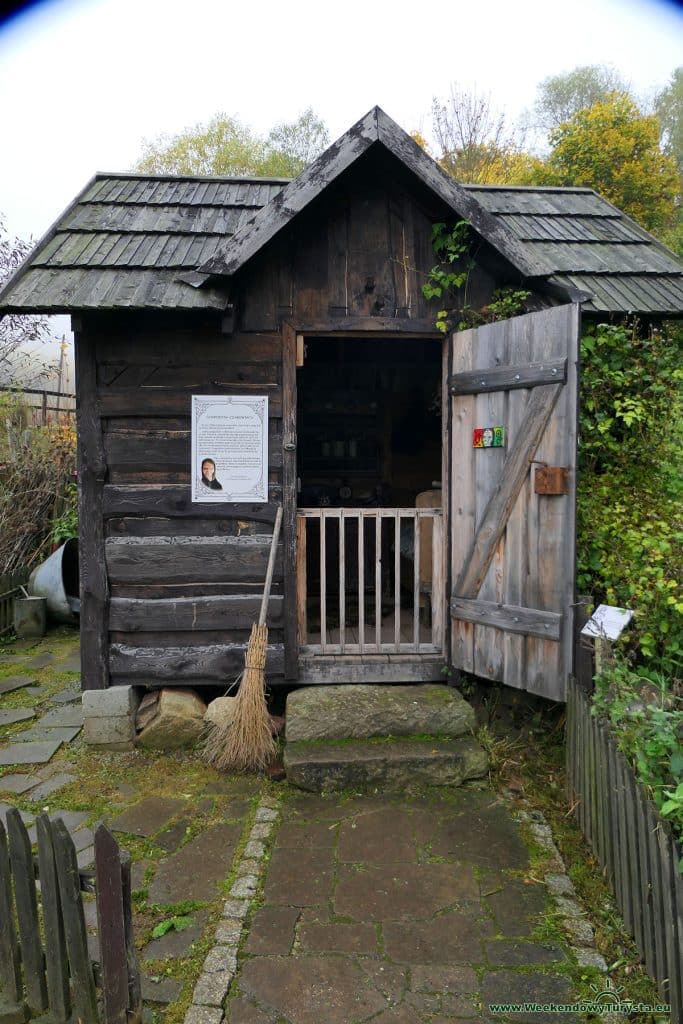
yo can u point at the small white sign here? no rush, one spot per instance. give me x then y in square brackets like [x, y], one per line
[608, 622]
[229, 448]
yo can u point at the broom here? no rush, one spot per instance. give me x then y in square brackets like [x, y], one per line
[245, 740]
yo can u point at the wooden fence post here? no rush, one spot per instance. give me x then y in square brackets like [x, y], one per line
[27, 911]
[85, 999]
[57, 963]
[10, 974]
[134, 984]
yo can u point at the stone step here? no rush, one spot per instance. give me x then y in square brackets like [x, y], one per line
[361, 712]
[391, 764]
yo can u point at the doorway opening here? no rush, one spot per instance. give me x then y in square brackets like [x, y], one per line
[369, 493]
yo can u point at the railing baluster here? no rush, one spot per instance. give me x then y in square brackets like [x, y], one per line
[416, 582]
[397, 581]
[437, 597]
[342, 581]
[323, 583]
[301, 578]
[378, 581]
[361, 581]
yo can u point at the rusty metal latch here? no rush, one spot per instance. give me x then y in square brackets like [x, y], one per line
[551, 479]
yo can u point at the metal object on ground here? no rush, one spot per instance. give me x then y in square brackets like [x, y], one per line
[57, 580]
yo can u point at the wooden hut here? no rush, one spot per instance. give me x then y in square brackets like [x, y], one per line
[428, 482]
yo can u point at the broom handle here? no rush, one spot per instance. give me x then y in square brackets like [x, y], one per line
[271, 567]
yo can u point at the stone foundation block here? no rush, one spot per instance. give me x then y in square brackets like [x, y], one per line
[114, 702]
[113, 733]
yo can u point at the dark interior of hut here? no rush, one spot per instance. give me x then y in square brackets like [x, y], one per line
[369, 438]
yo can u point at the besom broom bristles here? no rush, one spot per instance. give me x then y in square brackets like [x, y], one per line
[245, 739]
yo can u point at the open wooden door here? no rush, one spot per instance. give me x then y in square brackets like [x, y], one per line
[512, 548]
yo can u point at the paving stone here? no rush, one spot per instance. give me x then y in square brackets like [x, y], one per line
[244, 887]
[510, 987]
[455, 978]
[590, 958]
[228, 932]
[579, 931]
[254, 849]
[36, 691]
[163, 990]
[82, 838]
[11, 716]
[90, 914]
[306, 836]
[11, 683]
[41, 660]
[398, 1015]
[221, 958]
[11, 659]
[450, 938]
[489, 837]
[312, 989]
[510, 953]
[72, 664]
[321, 937]
[365, 838]
[176, 944]
[65, 715]
[72, 819]
[211, 989]
[171, 838]
[29, 753]
[414, 891]
[237, 909]
[178, 877]
[266, 814]
[262, 830]
[569, 907]
[272, 931]
[51, 785]
[86, 858]
[203, 1015]
[37, 734]
[301, 881]
[147, 817]
[138, 870]
[67, 696]
[25, 816]
[243, 1011]
[18, 784]
[560, 885]
[517, 907]
[389, 979]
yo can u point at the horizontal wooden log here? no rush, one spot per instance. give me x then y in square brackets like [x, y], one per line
[162, 500]
[507, 378]
[171, 349]
[187, 559]
[323, 670]
[509, 618]
[123, 476]
[220, 663]
[170, 402]
[171, 450]
[363, 324]
[155, 526]
[238, 611]
[147, 591]
[121, 374]
[188, 637]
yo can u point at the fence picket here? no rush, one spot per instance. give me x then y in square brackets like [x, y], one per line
[27, 911]
[134, 983]
[85, 1000]
[111, 926]
[56, 960]
[10, 973]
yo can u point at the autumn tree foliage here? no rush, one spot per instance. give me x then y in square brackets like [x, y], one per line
[613, 148]
[15, 330]
[226, 146]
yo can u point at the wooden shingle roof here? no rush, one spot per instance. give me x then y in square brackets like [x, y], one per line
[588, 247]
[132, 241]
[124, 241]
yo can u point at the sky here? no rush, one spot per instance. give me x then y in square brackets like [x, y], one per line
[84, 82]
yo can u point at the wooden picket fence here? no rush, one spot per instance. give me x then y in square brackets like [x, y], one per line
[45, 966]
[10, 585]
[636, 849]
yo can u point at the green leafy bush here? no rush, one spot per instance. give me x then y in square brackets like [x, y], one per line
[630, 516]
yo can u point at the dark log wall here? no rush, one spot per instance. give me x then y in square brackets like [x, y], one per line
[182, 581]
[169, 588]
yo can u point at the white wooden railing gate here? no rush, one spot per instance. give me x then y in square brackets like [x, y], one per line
[370, 581]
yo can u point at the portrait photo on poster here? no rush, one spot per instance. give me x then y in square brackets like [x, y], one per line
[229, 448]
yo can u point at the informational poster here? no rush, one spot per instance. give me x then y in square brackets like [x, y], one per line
[229, 448]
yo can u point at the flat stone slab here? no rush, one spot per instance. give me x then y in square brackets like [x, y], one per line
[272, 931]
[63, 734]
[176, 944]
[29, 753]
[511, 987]
[51, 785]
[63, 716]
[359, 712]
[72, 664]
[10, 683]
[416, 891]
[510, 953]
[11, 716]
[193, 872]
[68, 696]
[41, 660]
[147, 817]
[18, 784]
[396, 764]
[160, 990]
